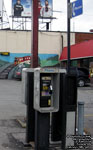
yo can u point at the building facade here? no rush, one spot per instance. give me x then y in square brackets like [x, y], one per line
[18, 44]
[50, 45]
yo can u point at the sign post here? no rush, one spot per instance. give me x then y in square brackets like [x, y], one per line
[68, 34]
[73, 9]
[68, 70]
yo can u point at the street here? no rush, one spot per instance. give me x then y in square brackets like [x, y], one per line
[12, 135]
[85, 94]
[10, 99]
[11, 108]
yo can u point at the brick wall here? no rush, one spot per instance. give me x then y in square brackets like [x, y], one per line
[80, 37]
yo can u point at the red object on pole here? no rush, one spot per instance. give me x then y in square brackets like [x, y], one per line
[34, 48]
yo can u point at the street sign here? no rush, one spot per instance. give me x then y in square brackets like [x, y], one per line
[77, 8]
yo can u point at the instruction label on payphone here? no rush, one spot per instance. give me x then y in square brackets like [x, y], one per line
[45, 91]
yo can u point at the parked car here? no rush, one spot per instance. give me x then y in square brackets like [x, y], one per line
[83, 76]
[18, 70]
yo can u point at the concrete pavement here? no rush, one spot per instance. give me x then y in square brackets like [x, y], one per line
[12, 135]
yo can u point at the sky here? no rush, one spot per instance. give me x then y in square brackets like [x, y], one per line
[82, 23]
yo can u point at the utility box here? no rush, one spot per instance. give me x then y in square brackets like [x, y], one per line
[46, 89]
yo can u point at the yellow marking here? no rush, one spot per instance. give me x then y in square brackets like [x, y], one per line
[4, 53]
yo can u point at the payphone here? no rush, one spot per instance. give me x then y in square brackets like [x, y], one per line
[46, 89]
[43, 92]
[46, 100]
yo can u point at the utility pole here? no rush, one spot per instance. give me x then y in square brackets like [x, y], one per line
[34, 48]
[30, 134]
[68, 34]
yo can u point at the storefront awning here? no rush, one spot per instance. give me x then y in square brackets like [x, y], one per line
[78, 51]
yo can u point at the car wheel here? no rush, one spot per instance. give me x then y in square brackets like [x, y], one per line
[81, 83]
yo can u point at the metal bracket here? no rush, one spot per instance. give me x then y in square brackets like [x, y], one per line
[69, 10]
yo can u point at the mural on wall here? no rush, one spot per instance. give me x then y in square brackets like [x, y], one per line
[44, 60]
[11, 64]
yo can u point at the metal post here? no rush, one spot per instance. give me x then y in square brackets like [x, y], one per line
[47, 26]
[68, 35]
[42, 121]
[80, 118]
[34, 58]
[42, 126]
[34, 63]
[30, 128]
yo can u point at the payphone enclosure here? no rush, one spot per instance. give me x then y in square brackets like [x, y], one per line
[46, 89]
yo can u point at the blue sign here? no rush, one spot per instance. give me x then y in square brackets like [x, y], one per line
[77, 8]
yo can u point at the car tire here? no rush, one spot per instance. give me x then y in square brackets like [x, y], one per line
[81, 83]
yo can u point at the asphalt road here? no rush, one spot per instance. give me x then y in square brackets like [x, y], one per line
[11, 108]
[85, 94]
[10, 99]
